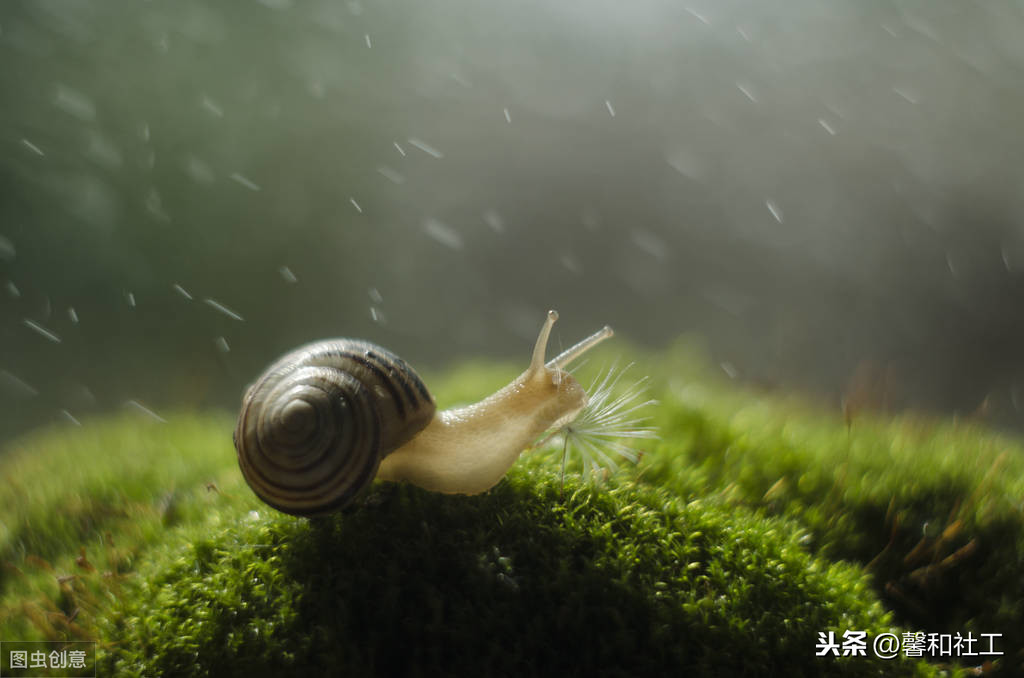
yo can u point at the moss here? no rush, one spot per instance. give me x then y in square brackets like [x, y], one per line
[754, 524]
[624, 581]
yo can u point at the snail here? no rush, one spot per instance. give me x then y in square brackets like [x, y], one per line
[327, 418]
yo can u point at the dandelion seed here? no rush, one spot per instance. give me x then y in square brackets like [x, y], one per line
[287, 274]
[245, 181]
[182, 291]
[426, 148]
[33, 325]
[356, 205]
[139, 407]
[213, 303]
[599, 431]
[32, 147]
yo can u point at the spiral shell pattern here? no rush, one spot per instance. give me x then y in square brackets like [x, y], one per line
[315, 425]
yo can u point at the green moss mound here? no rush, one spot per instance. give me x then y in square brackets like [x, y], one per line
[755, 523]
[520, 581]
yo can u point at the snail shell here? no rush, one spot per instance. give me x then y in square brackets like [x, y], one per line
[315, 426]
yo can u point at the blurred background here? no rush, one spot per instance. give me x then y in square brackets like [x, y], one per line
[828, 196]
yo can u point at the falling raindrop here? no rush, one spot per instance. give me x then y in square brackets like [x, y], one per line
[213, 303]
[7, 251]
[905, 95]
[774, 209]
[42, 331]
[375, 295]
[72, 315]
[245, 181]
[425, 147]
[182, 291]
[287, 274]
[572, 264]
[142, 409]
[356, 205]
[650, 243]
[391, 175]
[703, 19]
[222, 345]
[74, 103]
[198, 170]
[211, 106]
[611, 110]
[32, 147]
[494, 220]
[443, 233]
[16, 387]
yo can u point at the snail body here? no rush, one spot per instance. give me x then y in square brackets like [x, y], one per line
[326, 419]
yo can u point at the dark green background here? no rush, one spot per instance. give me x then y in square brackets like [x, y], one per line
[901, 241]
